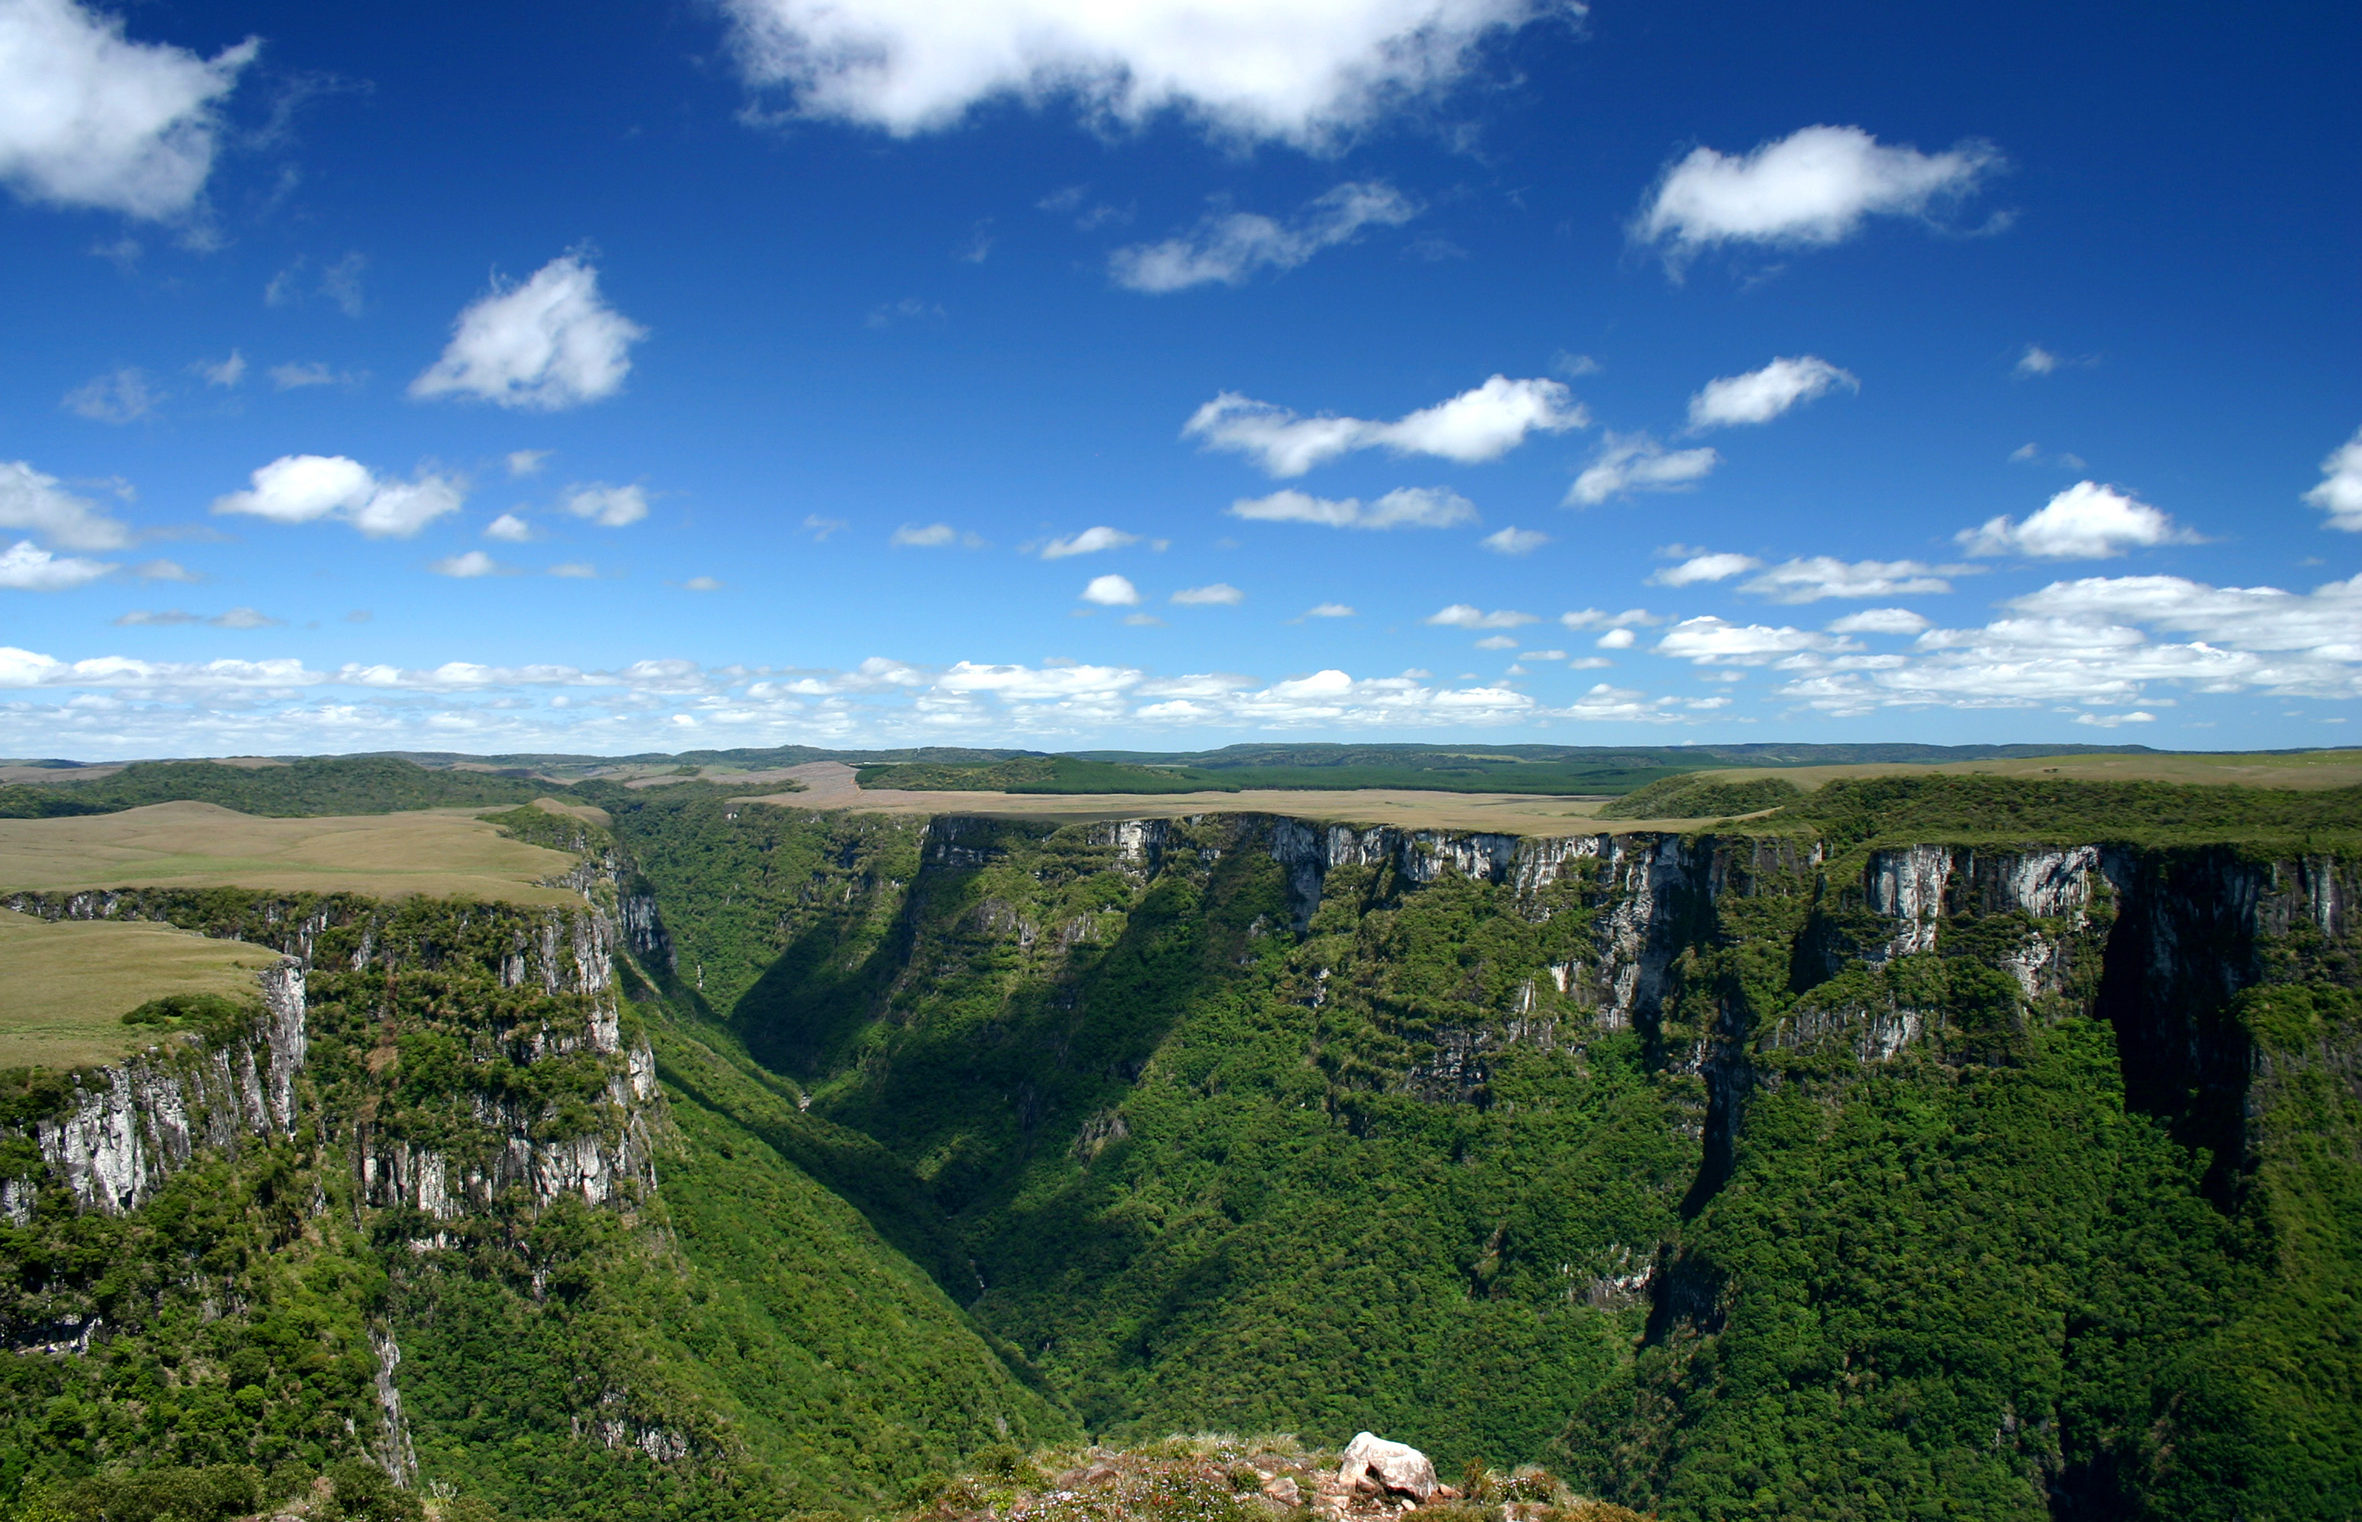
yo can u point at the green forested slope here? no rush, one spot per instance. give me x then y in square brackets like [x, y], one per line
[732, 1341]
[1744, 1252]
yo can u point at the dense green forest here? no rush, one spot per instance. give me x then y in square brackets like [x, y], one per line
[1927, 1147]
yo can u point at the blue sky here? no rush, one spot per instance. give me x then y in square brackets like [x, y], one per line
[1058, 373]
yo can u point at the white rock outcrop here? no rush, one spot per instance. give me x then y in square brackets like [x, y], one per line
[1388, 1466]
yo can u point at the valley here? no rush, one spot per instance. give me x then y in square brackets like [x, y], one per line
[1924, 1144]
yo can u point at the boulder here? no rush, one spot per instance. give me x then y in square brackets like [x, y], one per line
[1284, 1490]
[1389, 1466]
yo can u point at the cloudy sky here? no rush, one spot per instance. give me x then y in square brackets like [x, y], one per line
[681, 373]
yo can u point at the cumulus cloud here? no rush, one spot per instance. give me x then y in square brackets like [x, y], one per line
[1814, 577]
[1477, 425]
[607, 506]
[121, 396]
[2087, 521]
[509, 529]
[2340, 491]
[90, 118]
[1226, 249]
[1220, 594]
[1462, 615]
[702, 584]
[2106, 643]
[1635, 462]
[2036, 361]
[1112, 592]
[1597, 618]
[575, 570]
[1880, 621]
[303, 488]
[1711, 641]
[1761, 395]
[1302, 73]
[24, 567]
[468, 566]
[1617, 639]
[34, 503]
[1404, 507]
[1329, 610]
[1700, 568]
[1514, 541]
[526, 462]
[1813, 188]
[550, 343]
[1089, 542]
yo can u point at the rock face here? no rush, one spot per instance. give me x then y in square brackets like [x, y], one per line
[1389, 1466]
[131, 1126]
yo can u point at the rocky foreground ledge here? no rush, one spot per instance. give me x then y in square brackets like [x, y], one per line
[1214, 1477]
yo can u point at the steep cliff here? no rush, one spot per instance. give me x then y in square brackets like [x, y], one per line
[1808, 1171]
[414, 1211]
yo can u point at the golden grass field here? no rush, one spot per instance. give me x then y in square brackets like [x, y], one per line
[2311, 769]
[440, 852]
[65, 987]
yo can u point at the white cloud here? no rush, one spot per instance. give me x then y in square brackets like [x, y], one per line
[467, 566]
[1514, 541]
[820, 528]
[1220, 594]
[2087, 521]
[38, 504]
[164, 570]
[1698, 568]
[305, 487]
[510, 529]
[1404, 507]
[2036, 361]
[2340, 491]
[1812, 188]
[2095, 642]
[235, 618]
[224, 373]
[1604, 704]
[1112, 592]
[1462, 615]
[88, 118]
[526, 462]
[1880, 621]
[1301, 73]
[121, 396]
[1711, 641]
[546, 344]
[25, 568]
[1596, 618]
[294, 377]
[1761, 395]
[1329, 610]
[928, 536]
[1089, 542]
[2112, 720]
[1498, 642]
[1617, 639]
[1814, 577]
[1636, 462]
[607, 506]
[575, 570]
[702, 584]
[1226, 249]
[1477, 425]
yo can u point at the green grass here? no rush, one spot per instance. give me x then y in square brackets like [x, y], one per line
[68, 986]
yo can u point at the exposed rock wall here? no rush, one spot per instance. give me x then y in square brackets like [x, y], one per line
[130, 1126]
